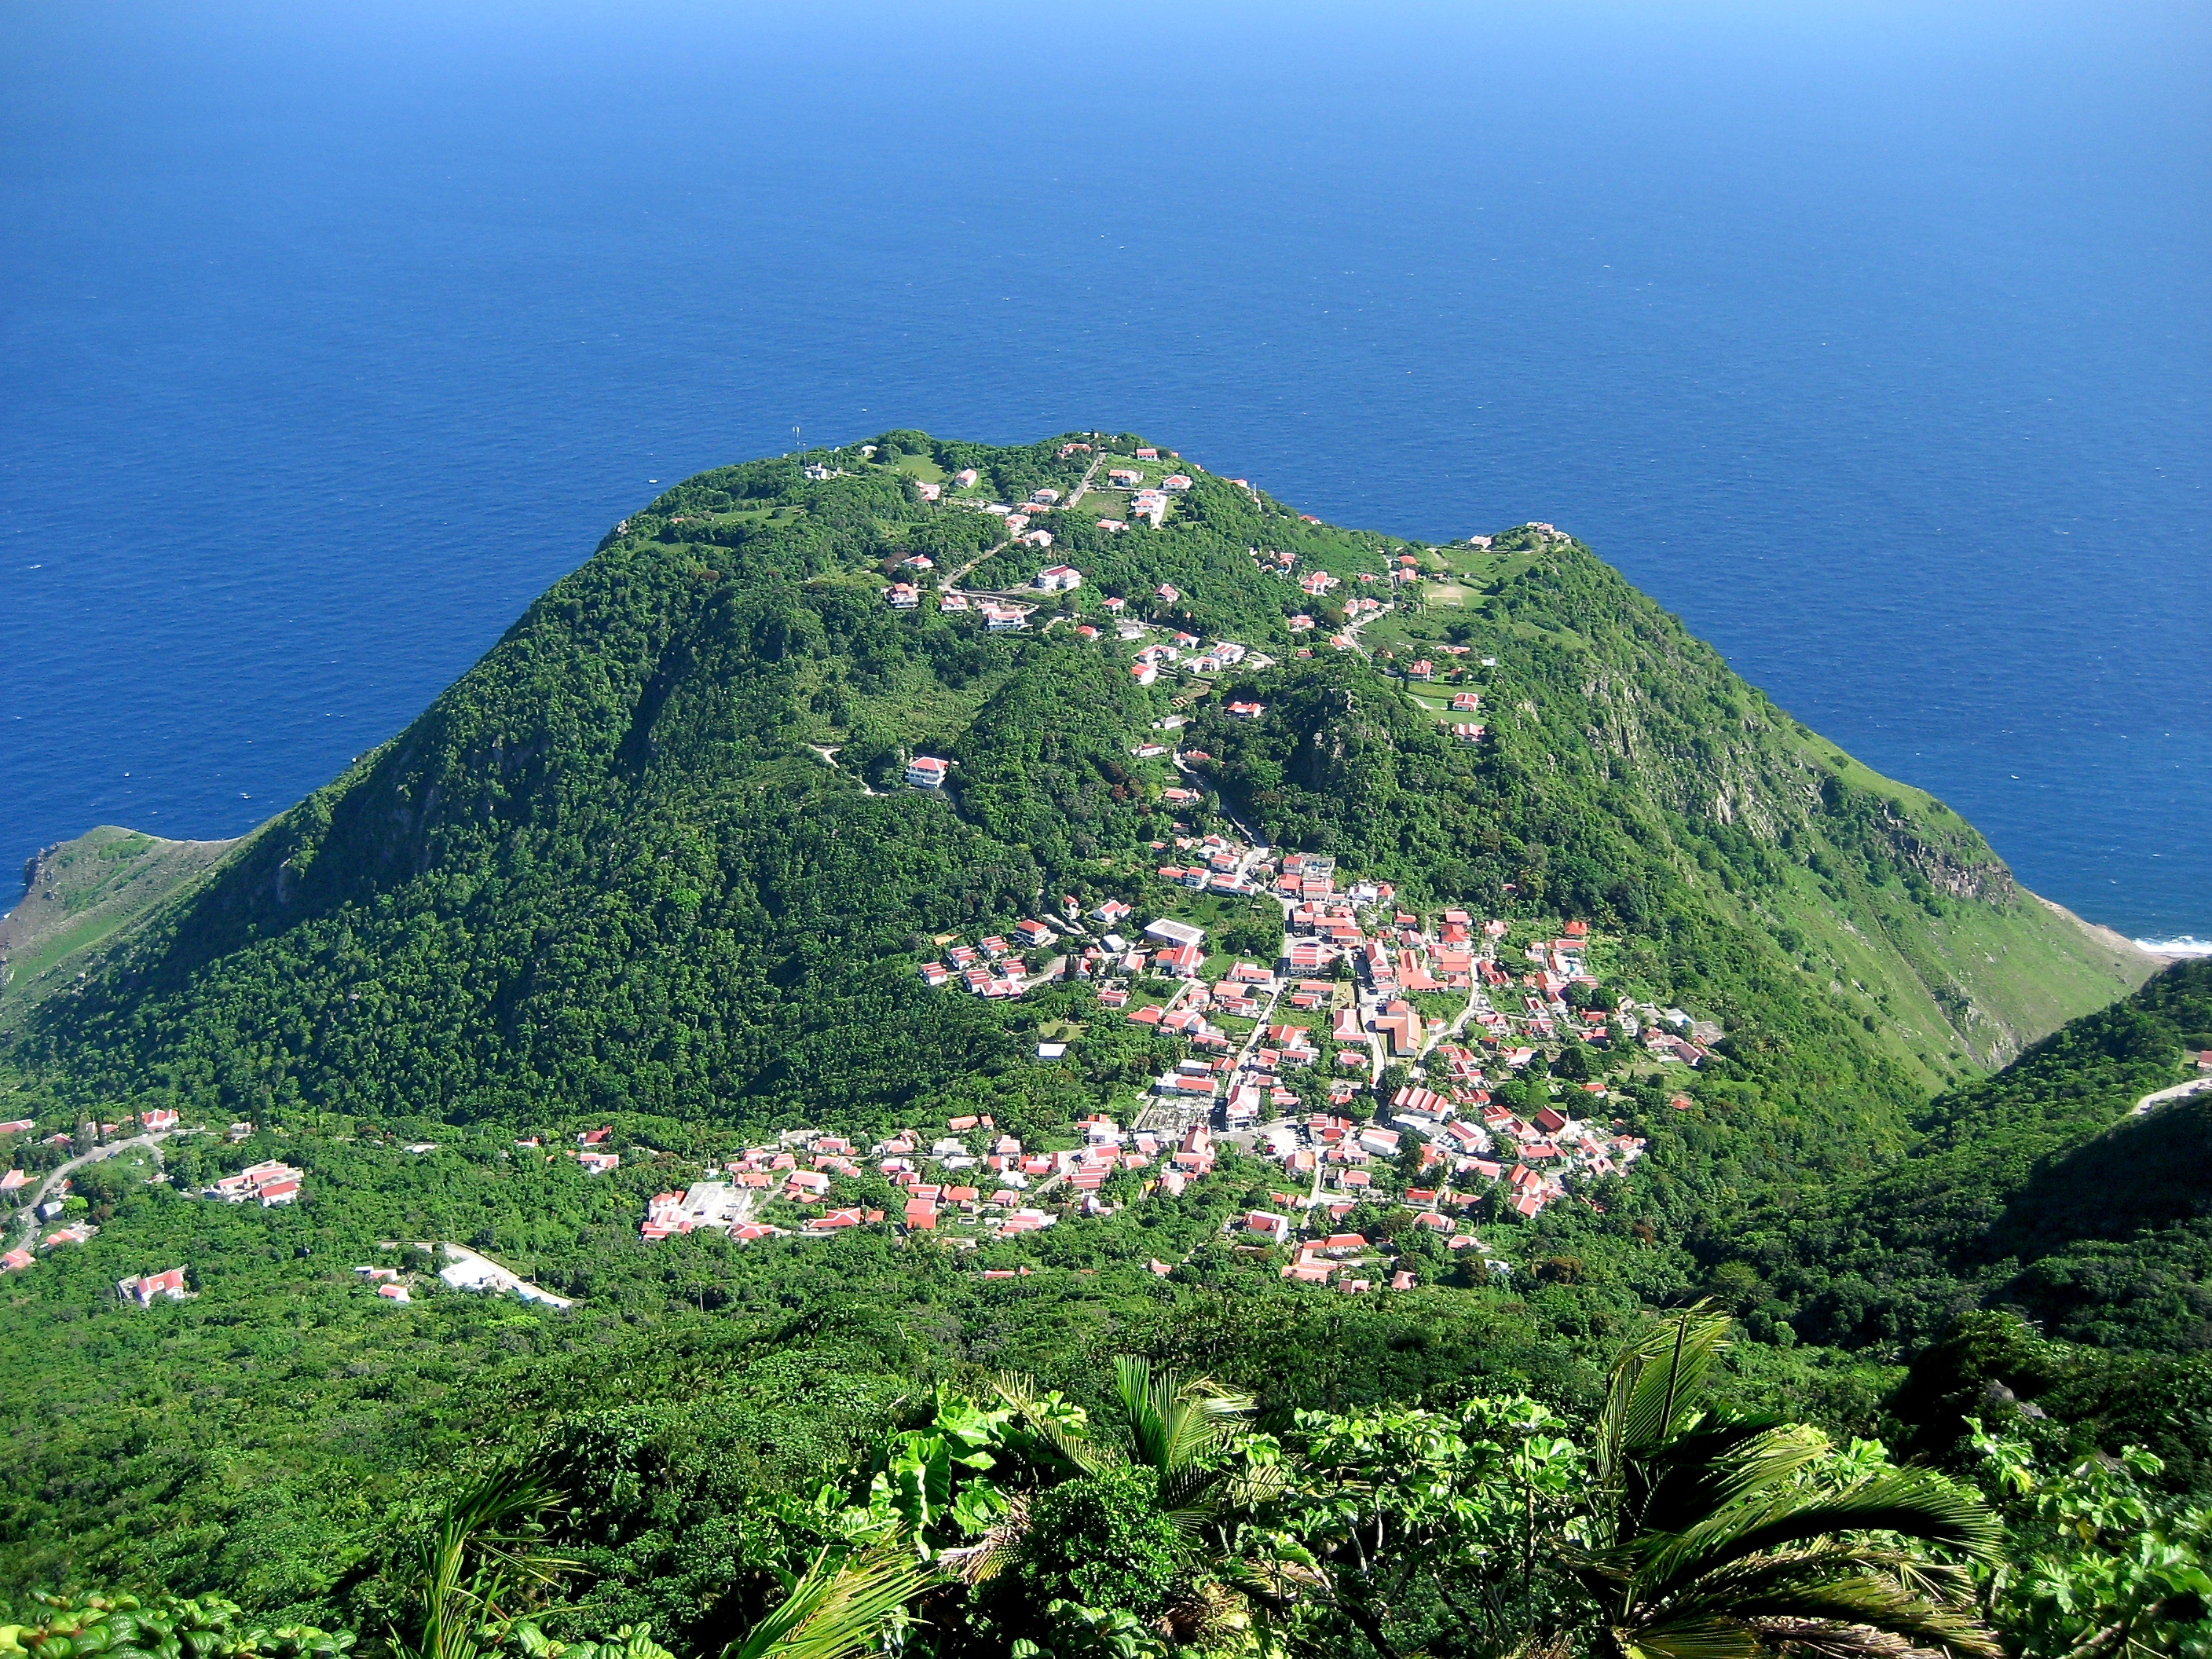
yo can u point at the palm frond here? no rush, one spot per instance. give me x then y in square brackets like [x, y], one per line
[1883, 1610]
[1693, 1639]
[1917, 1504]
[1171, 1422]
[1771, 1458]
[1656, 1384]
[1249, 1488]
[1816, 1639]
[484, 1556]
[987, 1558]
[1190, 1487]
[837, 1609]
[1699, 1469]
[1019, 1392]
[1837, 1585]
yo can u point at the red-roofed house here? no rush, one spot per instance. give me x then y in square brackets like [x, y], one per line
[144, 1288]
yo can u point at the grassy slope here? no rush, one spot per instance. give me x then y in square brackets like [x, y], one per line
[1957, 967]
[80, 895]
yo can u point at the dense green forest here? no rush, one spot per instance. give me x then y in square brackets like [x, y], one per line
[649, 866]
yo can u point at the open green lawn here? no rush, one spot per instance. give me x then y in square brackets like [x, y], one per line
[921, 467]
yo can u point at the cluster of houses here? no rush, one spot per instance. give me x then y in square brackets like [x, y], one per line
[993, 966]
[1184, 654]
[799, 1169]
[269, 1183]
[971, 1178]
[155, 1120]
[1322, 1254]
[389, 1284]
[593, 1152]
[984, 1180]
[1472, 1151]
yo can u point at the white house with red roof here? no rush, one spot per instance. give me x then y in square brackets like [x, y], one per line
[144, 1287]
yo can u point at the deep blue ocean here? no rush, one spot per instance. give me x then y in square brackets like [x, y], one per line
[1873, 340]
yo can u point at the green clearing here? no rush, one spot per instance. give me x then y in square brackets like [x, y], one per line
[923, 467]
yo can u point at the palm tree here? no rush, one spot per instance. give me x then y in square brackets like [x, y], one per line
[1175, 1428]
[1715, 1538]
[837, 1608]
[483, 1566]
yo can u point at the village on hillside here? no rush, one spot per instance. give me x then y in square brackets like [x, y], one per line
[1144, 486]
[1380, 1057]
[1283, 1061]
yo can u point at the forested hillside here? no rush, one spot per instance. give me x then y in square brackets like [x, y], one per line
[607, 871]
[2042, 1189]
[648, 904]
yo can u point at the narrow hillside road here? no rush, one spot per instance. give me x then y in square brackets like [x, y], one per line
[1046, 975]
[1351, 628]
[471, 1270]
[2195, 1085]
[1089, 473]
[828, 758]
[28, 1217]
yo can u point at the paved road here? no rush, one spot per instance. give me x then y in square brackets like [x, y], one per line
[2180, 1092]
[28, 1217]
[1090, 472]
[471, 1270]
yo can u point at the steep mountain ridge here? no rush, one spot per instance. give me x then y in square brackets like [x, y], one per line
[612, 868]
[2062, 1187]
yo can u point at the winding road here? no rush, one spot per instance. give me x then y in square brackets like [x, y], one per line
[28, 1217]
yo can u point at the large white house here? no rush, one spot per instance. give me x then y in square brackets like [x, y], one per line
[927, 772]
[1057, 578]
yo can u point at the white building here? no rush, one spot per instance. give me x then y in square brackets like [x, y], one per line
[1057, 579]
[927, 772]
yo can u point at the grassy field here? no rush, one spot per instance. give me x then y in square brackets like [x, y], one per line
[85, 892]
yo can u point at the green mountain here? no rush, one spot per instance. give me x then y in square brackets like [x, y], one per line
[611, 868]
[653, 864]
